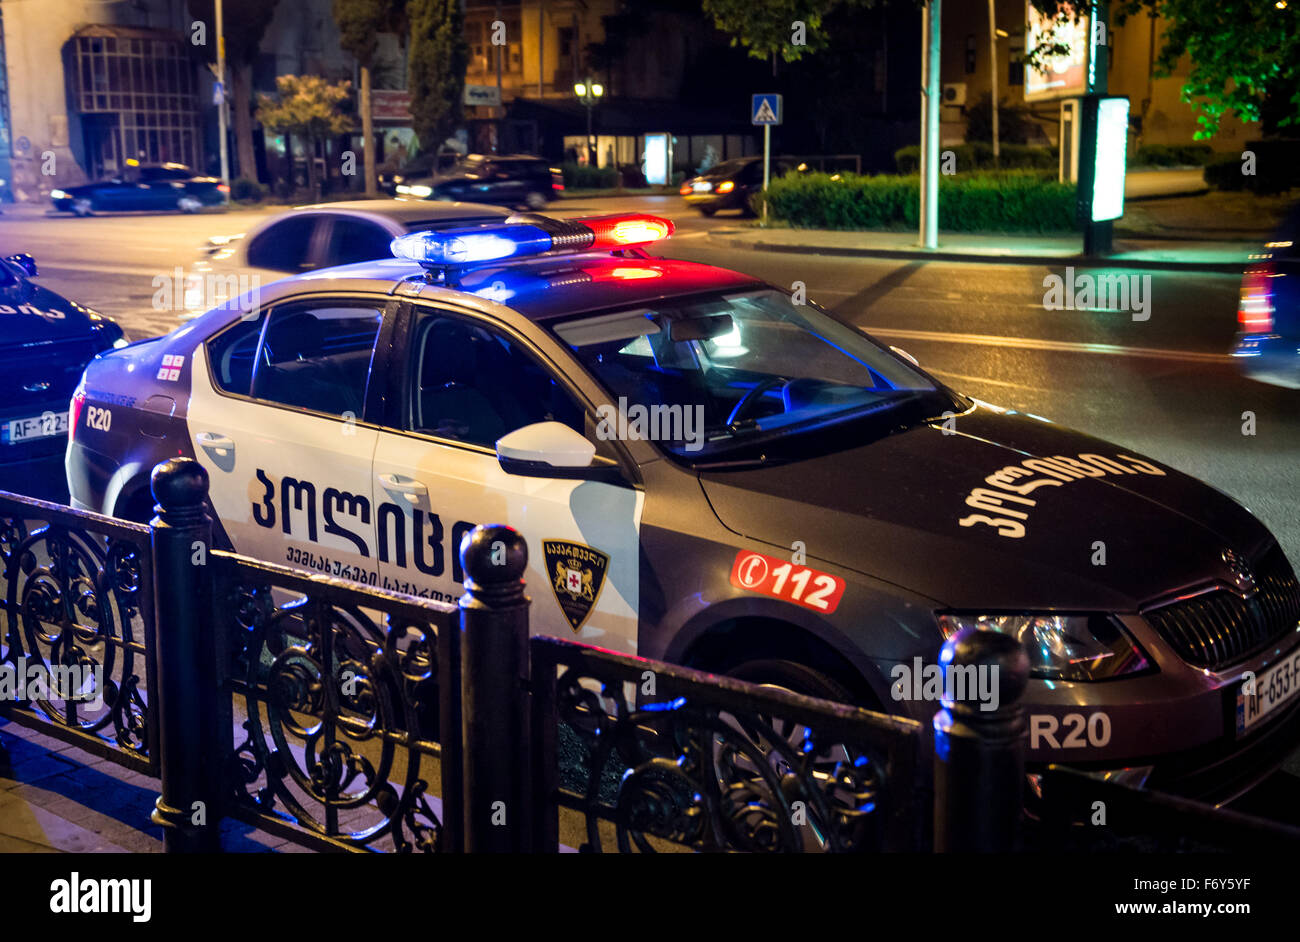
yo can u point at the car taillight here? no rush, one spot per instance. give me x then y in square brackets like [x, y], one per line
[223, 188]
[74, 417]
[684, 189]
[1255, 309]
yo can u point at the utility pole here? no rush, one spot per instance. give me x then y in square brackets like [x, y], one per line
[930, 21]
[221, 103]
[993, 78]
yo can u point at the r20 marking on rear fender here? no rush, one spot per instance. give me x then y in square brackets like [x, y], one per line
[1077, 731]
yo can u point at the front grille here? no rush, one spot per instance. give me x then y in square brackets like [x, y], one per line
[1218, 628]
[40, 372]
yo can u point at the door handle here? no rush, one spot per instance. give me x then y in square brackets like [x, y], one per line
[411, 488]
[214, 441]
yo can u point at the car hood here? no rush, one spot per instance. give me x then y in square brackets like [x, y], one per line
[31, 314]
[931, 511]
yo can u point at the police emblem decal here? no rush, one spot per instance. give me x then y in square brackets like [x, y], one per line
[577, 574]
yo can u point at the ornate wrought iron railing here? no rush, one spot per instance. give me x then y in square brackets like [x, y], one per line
[657, 757]
[336, 705]
[76, 645]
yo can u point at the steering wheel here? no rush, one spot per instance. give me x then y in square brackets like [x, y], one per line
[750, 398]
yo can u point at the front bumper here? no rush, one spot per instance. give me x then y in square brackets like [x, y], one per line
[1269, 358]
[733, 200]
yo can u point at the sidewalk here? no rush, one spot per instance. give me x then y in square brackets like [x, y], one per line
[55, 798]
[1051, 250]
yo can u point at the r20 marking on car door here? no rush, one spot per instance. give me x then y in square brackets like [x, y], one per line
[98, 419]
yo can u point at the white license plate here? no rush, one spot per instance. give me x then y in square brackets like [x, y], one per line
[38, 426]
[1273, 688]
[701, 187]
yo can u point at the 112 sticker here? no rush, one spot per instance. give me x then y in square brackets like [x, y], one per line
[769, 575]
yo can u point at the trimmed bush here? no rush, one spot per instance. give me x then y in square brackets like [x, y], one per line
[585, 177]
[1002, 201]
[246, 190]
[1172, 155]
[978, 155]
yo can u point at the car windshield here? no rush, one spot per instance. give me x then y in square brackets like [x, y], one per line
[727, 168]
[741, 375]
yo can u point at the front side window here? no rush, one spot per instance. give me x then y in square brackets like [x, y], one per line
[285, 246]
[355, 240]
[314, 357]
[474, 385]
[728, 375]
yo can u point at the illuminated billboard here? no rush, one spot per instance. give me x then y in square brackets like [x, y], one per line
[1110, 163]
[1064, 76]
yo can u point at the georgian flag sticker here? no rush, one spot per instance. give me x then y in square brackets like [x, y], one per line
[170, 371]
[781, 579]
[577, 574]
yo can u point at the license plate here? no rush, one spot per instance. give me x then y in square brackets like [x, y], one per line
[38, 426]
[701, 187]
[1273, 688]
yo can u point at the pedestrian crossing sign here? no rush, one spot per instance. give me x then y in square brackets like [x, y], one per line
[765, 109]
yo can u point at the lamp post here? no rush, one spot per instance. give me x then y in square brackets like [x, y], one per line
[589, 93]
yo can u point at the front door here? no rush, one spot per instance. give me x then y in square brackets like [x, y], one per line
[465, 384]
[277, 424]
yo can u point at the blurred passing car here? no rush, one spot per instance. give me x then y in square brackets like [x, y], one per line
[45, 343]
[421, 168]
[515, 180]
[1268, 315]
[729, 185]
[154, 187]
[310, 237]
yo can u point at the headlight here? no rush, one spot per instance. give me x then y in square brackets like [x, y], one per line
[420, 191]
[1061, 647]
[58, 195]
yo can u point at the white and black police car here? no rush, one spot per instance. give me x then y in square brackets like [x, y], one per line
[709, 473]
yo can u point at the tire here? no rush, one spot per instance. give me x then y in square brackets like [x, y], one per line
[707, 212]
[535, 200]
[82, 207]
[189, 204]
[794, 677]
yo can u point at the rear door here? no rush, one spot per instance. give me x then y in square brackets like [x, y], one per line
[460, 384]
[277, 418]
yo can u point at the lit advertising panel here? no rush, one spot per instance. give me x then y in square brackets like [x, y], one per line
[1109, 166]
[1064, 76]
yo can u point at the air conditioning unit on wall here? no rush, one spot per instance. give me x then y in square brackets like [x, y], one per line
[954, 93]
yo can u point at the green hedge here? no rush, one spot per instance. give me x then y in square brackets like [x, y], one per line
[1002, 201]
[978, 155]
[247, 190]
[1172, 155]
[584, 177]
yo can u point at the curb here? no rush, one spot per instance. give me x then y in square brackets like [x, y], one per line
[1227, 268]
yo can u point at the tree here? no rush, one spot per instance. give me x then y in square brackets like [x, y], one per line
[244, 23]
[360, 22]
[771, 28]
[307, 106]
[1245, 56]
[437, 62]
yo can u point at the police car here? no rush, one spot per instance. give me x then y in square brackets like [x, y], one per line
[710, 473]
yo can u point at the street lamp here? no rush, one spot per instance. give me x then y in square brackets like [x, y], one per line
[589, 93]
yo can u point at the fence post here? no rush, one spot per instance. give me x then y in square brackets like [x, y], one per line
[979, 755]
[188, 746]
[494, 697]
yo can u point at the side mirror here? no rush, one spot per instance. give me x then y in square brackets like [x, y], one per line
[546, 450]
[23, 261]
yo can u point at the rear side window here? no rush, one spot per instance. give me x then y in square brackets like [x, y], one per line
[285, 246]
[233, 353]
[355, 240]
[317, 357]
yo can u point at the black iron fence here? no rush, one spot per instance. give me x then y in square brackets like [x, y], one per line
[343, 717]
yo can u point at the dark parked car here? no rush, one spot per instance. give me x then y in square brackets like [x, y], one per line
[45, 343]
[422, 167]
[151, 187]
[1268, 316]
[516, 180]
[729, 185]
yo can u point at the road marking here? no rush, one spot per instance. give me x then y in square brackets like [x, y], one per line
[992, 382]
[1056, 346]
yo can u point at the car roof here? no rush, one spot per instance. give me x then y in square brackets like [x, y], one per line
[541, 288]
[405, 211]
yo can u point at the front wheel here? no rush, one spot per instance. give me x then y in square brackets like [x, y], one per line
[189, 204]
[82, 207]
[707, 212]
[535, 200]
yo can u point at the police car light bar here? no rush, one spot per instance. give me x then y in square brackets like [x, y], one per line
[531, 234]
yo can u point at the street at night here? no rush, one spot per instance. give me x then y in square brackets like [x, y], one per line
[500, 428]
